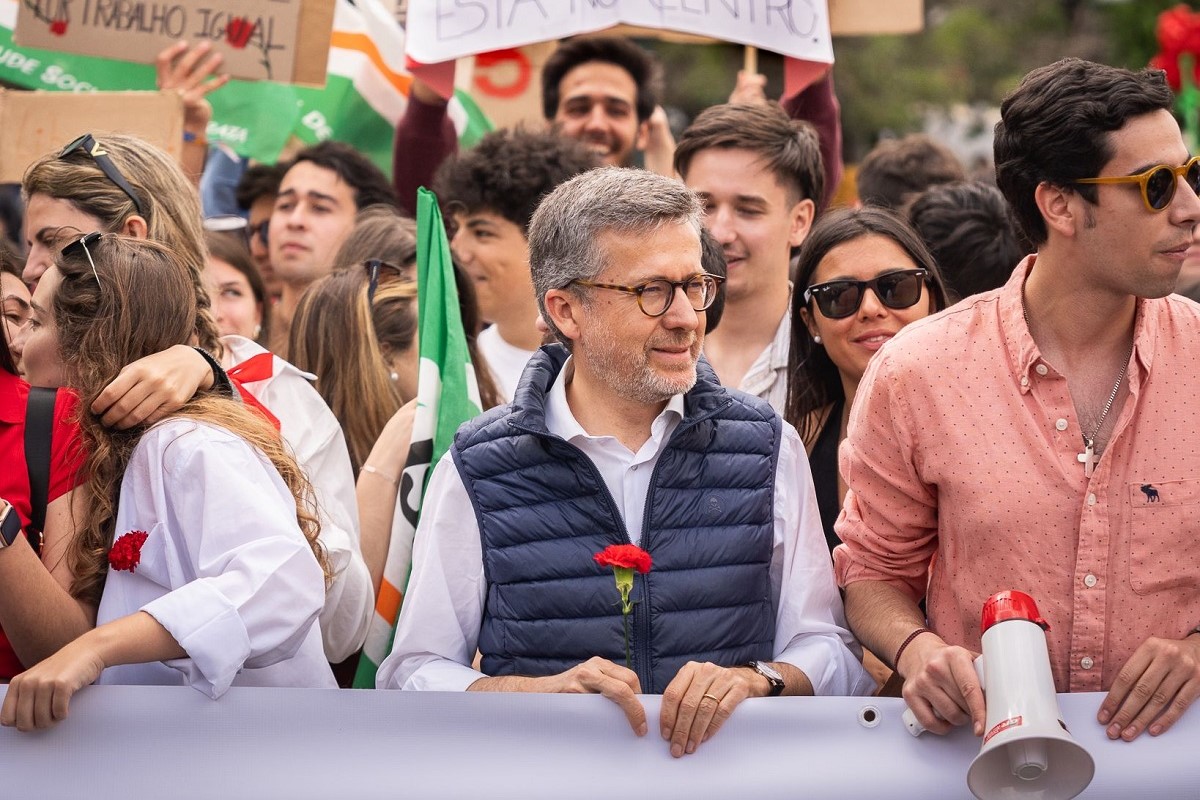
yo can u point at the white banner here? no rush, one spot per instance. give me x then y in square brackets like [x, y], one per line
[172, 742]
[439, 30]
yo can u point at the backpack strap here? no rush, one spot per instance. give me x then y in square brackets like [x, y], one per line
[39, 430]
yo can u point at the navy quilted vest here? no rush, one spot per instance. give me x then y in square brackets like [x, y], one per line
[543, 511]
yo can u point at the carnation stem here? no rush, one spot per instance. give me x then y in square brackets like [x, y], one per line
[628, 659]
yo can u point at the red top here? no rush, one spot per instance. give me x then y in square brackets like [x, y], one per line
[66, 458]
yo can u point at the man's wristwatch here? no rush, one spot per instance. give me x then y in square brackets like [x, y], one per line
[10, 524]
[771, 674]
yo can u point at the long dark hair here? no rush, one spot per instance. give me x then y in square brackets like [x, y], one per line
[813, 378]
[8, 263]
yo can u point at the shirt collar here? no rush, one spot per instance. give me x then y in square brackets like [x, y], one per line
[1022, 349]
[561, 421]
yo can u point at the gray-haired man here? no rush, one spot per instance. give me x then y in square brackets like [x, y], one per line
[623, 435]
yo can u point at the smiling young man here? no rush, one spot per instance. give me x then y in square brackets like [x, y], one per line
[490, 193]
[1039, 436]
[760, 177]
[323, 189]
[622, 435]
[599, 90]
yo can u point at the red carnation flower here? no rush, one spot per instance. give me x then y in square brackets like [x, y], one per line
[629, 556]
[126, 551]
[624, 559]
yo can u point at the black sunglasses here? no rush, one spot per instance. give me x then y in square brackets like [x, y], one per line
[373, 267]
[81, 245]
[87, 144]
[1158, 183]
[839, 299]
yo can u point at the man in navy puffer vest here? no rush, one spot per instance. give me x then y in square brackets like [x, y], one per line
[622, 435]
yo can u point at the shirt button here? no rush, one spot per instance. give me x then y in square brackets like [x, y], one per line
[1089, 581]
[1061, 424]
[1086, 662]
[1041, 369]
[1024, 380]
[1091, 499]
[634, 467]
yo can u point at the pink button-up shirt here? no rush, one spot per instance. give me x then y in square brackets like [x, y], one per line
[964, 443]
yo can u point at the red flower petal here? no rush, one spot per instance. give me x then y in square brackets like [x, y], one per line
[629, 556]
[126, 552]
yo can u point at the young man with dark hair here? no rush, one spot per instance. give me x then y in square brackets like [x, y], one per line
[601, 90]
[896, 169]
[322, 190]
[760, 177]
[1038, 436]
[490, 193]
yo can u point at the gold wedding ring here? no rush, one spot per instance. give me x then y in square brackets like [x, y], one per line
[711, 697]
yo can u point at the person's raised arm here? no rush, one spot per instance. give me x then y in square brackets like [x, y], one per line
[425, 137]
[192, 72]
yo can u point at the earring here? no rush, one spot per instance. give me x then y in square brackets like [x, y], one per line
[395, 376]
[257, 331]
[817, 339]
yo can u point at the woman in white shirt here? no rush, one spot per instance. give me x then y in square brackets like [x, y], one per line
[197, 537]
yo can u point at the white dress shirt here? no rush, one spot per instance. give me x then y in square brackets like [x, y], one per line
[316, 440]
[438, 631]
[224, 568]
[767, 377]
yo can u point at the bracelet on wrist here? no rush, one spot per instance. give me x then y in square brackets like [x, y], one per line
[195, 138]
[380, 473]
[904, 645]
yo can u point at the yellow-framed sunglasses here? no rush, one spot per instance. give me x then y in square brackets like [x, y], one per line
[1158, 183]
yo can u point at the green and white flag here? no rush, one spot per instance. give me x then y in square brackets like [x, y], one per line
[364, 96]
[447, 396]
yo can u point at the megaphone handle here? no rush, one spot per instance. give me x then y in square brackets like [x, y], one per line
[911, 723]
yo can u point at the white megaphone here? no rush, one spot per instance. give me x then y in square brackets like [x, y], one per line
[1027, 751]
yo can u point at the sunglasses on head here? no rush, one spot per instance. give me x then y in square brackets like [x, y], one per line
[1158, 183]
[87, 144]
[839, 299]
[375, 266]
[81, 245]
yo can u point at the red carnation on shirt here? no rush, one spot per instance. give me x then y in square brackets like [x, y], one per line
[126, 551]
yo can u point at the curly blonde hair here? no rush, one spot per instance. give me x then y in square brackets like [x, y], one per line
[128, 300]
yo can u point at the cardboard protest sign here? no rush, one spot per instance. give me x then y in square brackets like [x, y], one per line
[870, 17]
[440, 30]
[35, 123]
[276, 40]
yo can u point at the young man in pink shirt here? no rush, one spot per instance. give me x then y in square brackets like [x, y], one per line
[1038, 437]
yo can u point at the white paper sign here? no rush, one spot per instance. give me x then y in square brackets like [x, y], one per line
[440, 30]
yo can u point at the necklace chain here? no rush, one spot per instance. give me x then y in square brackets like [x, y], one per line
[1090, 441]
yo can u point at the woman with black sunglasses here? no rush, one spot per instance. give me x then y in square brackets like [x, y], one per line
[863, 275]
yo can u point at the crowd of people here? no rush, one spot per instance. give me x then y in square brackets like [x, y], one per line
[834, 431]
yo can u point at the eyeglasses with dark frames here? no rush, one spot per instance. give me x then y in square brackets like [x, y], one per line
[374, 266]
[82, 244]
[898, 289]
[88, 144]
[655, 297]
[1157, 184]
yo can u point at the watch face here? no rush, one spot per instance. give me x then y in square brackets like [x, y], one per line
[768, 671]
